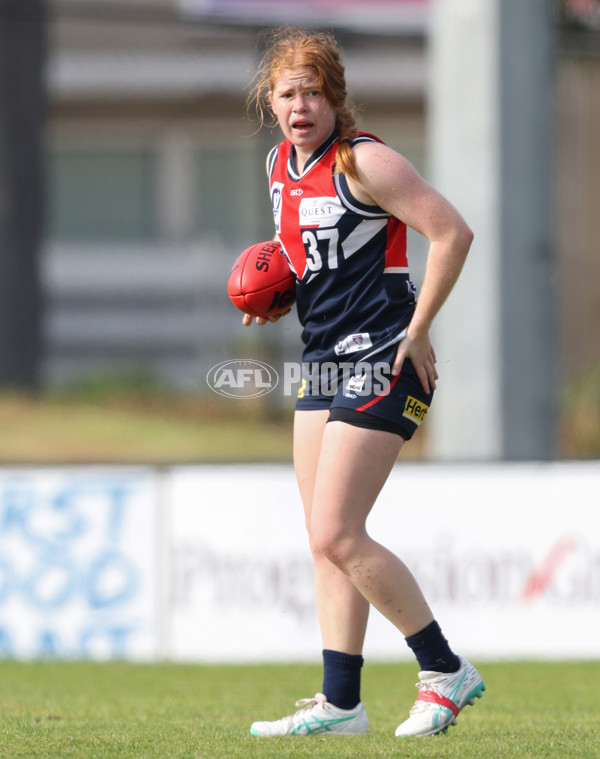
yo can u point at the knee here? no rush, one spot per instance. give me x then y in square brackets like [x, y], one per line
[335, 546]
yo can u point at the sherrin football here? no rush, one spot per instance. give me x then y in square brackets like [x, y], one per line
[261, 282]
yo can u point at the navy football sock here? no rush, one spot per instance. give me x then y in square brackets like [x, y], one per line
[432, 650]
[341, 678]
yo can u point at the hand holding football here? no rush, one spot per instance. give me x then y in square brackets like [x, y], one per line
[261, 282]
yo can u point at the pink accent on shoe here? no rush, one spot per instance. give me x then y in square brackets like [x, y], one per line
[434, 698]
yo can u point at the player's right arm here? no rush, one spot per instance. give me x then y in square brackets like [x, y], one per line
[247, 319]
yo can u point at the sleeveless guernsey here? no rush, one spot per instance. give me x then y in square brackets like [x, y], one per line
[353, 290]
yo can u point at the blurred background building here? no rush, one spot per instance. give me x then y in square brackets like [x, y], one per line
[155, 180]
[130, 180]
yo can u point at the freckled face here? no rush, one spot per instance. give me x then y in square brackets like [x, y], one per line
[304, 114]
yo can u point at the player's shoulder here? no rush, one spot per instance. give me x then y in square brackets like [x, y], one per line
[366, 143]
[282, 148]
[370, 153]
[279, 152]
[362, 138]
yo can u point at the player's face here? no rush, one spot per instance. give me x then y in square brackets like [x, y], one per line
[303, 112]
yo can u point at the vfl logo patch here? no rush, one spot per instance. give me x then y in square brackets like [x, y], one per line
[353, 343]
[415, 410]
[276, 203]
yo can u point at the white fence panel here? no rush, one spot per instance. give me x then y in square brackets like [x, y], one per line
[211, 563]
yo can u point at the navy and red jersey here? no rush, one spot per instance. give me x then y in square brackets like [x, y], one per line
[353, 290]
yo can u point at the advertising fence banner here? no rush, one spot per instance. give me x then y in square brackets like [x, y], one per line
[212, 563]
[505, 553]
[78, 568]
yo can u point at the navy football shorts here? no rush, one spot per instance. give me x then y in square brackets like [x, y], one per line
[365, 394]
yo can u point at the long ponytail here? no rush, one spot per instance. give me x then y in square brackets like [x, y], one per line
[346, 131]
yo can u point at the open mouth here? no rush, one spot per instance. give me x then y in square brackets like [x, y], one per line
[302, 126]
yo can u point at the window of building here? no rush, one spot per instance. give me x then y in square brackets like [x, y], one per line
[101, 194]
[231, 194]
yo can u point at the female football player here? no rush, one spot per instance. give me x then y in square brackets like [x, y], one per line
[342, 201]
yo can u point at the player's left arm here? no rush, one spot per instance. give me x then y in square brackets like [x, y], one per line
[388, 180]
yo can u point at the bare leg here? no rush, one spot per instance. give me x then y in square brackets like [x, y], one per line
[343, 611]
[353, 466]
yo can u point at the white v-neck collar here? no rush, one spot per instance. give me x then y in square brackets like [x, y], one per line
[314, 158]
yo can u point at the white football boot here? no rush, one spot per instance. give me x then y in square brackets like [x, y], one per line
[316, 717]
[441, 697]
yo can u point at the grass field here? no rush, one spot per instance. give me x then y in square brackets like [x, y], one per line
[107, 425]
[53, 709]
[139, 427]
[114, 418]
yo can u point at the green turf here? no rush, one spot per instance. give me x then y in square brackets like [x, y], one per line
[55, 709]
[152, 428]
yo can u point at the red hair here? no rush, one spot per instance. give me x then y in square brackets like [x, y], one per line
[291, 47]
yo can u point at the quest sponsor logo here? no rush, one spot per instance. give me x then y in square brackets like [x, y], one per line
[242, 378]
[320, 212]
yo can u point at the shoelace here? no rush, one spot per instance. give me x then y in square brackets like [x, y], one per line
[307, 703]
[419, 705]
[426, 688]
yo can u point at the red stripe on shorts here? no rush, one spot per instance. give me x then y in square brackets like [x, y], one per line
[378, 398]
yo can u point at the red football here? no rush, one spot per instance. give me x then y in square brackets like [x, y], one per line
[261, 282]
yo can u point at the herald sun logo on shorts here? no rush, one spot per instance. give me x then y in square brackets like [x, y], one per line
[415, 410]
